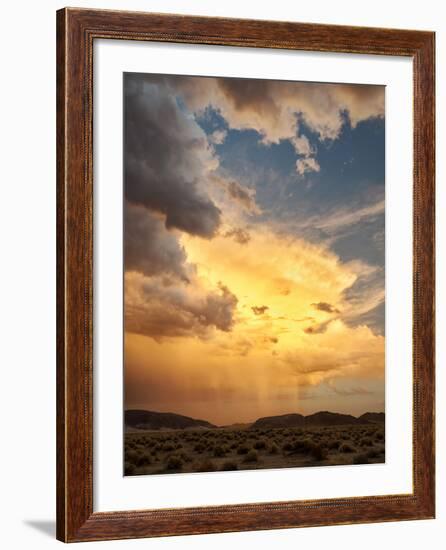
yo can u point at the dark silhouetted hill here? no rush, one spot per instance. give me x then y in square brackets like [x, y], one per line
[150, 420]
[322, 418]
[283, 421]
[326, 418]
[378, 418]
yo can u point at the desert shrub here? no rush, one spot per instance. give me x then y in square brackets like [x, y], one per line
[347, 448]
[143, 459]
[206, 466]
[174, 462]
[129, 469]
[219, 451]
[252, 456]
[132, 455]
[234, 445]
[372, 453]
[242, 449]
[228, 466]
[318, 452]
[361, 458]
[199, 448]
[380, 436]
[168, 446]
[287, 446]
[185, 457]
[333, 444]
[260, 444]
[366, 442]
[302, 446]
[274, 449]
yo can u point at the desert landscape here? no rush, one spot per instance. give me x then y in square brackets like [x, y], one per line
[167, 443]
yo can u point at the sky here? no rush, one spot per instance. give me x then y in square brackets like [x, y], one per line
[253, 247]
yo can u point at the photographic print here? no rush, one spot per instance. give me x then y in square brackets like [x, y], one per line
[254, 274]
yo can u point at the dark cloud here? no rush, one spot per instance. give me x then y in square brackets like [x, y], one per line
[168, 160]
[239, 235]
[259, 310]
[242, 195]
[150, 248]
[325, 306]
[156, 308]
[317, 329]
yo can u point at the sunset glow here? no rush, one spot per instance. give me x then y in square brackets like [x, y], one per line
[254, 247]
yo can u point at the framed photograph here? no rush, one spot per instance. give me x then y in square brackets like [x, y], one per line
[245, 275]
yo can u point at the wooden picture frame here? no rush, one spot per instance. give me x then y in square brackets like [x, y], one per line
[76, 31]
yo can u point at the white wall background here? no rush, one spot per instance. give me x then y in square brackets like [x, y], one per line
[27, 305]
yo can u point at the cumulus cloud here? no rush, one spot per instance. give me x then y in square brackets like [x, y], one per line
[158, 309]
[305, 165]
[303, 147]
[275, 108]
[218, 136]
[272, 107]
[168, 160]
[151, 249]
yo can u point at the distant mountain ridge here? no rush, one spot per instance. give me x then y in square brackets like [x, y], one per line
[322, 418]
[373, 417]
[152, 420]
[293, 420]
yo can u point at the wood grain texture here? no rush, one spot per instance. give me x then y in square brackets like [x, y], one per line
[76, 31]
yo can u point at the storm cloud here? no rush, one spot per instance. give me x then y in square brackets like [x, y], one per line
[150, 248]
[168, 160]
[158, 309]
